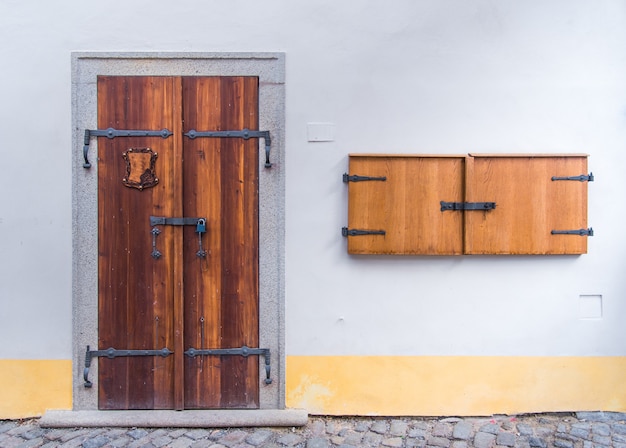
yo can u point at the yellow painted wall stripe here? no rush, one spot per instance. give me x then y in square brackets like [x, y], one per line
[454, 385]
[383, 385]
[29, 387]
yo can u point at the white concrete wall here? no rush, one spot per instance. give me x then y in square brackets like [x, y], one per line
[451, 76]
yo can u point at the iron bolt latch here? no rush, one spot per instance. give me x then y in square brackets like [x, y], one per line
[467, 206]
[200, 224]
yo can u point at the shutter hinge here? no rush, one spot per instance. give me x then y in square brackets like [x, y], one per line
[359, 232]
[581, 232]
[467, 206]
[581, 178]
[357, 178]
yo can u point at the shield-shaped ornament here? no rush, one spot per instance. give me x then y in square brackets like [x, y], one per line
[140, 163]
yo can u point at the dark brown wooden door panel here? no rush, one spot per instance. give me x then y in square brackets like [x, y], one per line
[179, 300]
[221, 305]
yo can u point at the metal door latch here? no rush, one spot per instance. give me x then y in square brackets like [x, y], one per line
[200, 224]
[241, 351]
[112, 133]
[114, 353]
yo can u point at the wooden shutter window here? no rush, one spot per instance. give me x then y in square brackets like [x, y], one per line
[402, 214]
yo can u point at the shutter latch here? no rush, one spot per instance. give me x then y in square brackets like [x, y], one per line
[467, 206]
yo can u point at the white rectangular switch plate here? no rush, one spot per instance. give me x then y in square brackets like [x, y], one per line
[320, 132]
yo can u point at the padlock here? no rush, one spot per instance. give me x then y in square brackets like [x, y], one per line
[201, 226]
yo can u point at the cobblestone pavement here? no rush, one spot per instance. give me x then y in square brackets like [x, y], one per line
[579, 430]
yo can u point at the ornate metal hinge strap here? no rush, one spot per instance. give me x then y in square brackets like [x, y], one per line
[360, 232]
[200, 224]
[244, 133]
[112, 133]
[356, 178]
[114, 353]
[241, 351]
[581, 232]
[467, 206]
[581, 178]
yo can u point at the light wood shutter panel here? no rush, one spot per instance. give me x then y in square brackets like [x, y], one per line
[406, 205]
[529, 204]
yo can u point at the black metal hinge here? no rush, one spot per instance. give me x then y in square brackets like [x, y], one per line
[358, 232]
[114, 353]
[244, 133]
[241, 351]
[581, 178]
[113, 133]
[581, 232]
[467, 205]
[357, 178]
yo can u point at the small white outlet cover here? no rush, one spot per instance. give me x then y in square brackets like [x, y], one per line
[320, 132]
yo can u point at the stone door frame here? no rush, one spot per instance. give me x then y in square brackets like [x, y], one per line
[270, 68]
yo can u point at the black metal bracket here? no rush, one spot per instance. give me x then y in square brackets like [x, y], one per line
[241, 351]
[114, 353]
[359, 232]
[467, 206]
[581, 232]
[581, 178]
[112, 133]
[244, 133]
[357, 178]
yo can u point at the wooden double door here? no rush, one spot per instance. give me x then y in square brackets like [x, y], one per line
[178, 243]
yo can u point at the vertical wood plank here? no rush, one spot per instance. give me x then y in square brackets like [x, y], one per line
[178, 261]
[203, 288]
[239, 166]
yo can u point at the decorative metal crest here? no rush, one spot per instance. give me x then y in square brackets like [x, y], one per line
[140, 172]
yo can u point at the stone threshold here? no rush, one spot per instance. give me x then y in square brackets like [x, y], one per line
[175, 419]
